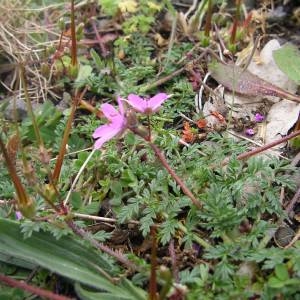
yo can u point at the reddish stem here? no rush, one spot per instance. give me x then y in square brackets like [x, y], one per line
[73, 36]
[268, 146]
[253, 152]
[153, 281]
[101, 44]
[22, 196]
[62, 149]
[173, 261]
[293, 201]
[117, 255]
[236, 22]
[207, 27]
[165, 164]
[178, 180]
[31, 289]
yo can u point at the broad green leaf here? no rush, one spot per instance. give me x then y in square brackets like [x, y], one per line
[16, 261]
[124, 291]
[287, 59]
[66, 256]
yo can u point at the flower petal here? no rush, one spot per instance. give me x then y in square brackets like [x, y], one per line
[155, 102]
[101, 130]
[121, 107]
[98, 144]
[109, 111]
[137, 102]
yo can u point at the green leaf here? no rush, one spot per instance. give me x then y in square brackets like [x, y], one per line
[84, 72]
[16, 261]
[287, 59]
[281, 272]
[97, 60]
[276, 283]
[76, 200]
[66, 256]
[124, 291]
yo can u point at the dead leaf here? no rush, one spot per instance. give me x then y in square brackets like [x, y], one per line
[243, 82]
[281, 118]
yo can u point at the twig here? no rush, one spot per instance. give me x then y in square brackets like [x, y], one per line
[253, 152]
[293, 201]
[294, 240]
[77, 176]
[31, 289]
[172, 254]
[254, 142]
[118, 256]
[162, 80]
[102, 219]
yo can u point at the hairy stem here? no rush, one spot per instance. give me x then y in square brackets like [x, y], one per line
[165, 164]
[31, 289]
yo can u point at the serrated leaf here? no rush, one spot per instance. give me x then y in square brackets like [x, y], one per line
[97, 60]
[66, 256]
[287, 58]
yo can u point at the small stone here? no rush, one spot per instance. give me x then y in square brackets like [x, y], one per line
[16, 111]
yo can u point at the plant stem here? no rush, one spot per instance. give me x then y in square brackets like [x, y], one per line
[31, 289]
[117, 255]
[73, 36]
[29, 108]
[253, 152]
[178, 180]
[196, 238]
[149, 127]
[165, 164]
[236, 21]
[62, 149]
[153, 280]
[207, 27]
[22, 196]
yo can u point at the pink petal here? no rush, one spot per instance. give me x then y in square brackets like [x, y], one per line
[155, 102]
[109, 111]
[121, 107]
[101, 130]
[98, 144]
[137, 102]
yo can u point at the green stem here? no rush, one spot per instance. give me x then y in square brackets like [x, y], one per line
[195, 237]
[29, 108]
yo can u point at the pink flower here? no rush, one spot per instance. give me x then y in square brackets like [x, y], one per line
[250, 132]
[147, 106]
[116, 125]
[258, 118]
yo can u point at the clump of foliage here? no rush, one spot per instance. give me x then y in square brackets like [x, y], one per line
[129, 226]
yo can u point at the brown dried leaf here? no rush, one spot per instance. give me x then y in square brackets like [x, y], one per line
[245, 83]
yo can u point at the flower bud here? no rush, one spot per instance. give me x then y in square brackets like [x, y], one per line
[73, 71]
[27, 209]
